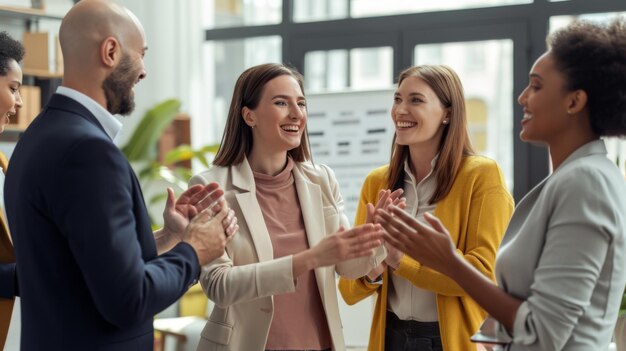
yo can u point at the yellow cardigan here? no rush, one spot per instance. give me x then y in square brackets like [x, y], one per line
[476, 212]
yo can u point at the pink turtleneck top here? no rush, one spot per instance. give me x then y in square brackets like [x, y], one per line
[299, 321]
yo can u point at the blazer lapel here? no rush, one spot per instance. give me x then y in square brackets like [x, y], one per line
[310, 198]
[243, 179]
[521, 211]
[524, 207]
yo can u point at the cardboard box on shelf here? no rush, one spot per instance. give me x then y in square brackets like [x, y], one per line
[38, 4]
[58, 56]
[16, 3]
[43, 52]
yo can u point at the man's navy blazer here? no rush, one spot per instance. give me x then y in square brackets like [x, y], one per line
[88, 271]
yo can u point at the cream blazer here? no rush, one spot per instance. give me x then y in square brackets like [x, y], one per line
[243, 281]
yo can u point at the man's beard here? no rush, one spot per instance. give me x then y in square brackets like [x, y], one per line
[118, 88]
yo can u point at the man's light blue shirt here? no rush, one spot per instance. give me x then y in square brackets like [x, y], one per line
[111, 125]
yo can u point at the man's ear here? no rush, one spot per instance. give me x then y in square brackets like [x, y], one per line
[110, 52]
[248, 116]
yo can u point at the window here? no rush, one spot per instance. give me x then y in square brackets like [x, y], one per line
[323, 10]
[226, 61]
[354, 69]
[486, 72]
[326, 70]
[557, 22]
[238, 13]
[368, 8]
[319, 10]
[360, 44]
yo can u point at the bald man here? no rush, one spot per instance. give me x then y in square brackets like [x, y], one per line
[90, 273]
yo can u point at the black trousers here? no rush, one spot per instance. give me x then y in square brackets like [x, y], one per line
[411, 335]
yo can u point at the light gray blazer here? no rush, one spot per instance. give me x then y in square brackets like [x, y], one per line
[243, 280]
[564, 253]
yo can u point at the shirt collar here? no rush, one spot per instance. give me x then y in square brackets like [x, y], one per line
[110, 124]
[408, 174]
[593, 147]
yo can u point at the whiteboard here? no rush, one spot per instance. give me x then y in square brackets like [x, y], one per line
[351, 132]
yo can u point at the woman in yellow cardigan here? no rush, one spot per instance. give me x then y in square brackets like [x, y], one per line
[433, 162]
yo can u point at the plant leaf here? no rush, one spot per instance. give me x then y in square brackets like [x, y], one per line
[158, 198]
[180, 153]
[149, 172]
[142, 144]
[170, 177]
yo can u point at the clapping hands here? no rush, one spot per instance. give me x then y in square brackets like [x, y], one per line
[179, 212]
[432, 246]
[386, 198]
[201, 217]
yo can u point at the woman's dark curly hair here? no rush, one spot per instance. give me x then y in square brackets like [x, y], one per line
[10, 49]
[592, 56]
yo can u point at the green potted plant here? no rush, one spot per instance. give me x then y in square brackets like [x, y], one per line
[141, 151]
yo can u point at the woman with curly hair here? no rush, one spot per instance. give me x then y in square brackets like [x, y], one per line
[11, 53]
[561, 269]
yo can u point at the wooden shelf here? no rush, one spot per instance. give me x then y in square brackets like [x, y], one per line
[44, 81]
[11, 134]
[11, 128]
[40, 73]
[27, 13]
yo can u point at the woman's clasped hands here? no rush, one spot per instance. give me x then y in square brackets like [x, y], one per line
[431, 245]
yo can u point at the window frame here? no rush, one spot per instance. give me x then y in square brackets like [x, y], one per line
[526, 24]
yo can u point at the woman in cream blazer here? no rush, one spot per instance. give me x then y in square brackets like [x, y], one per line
[265, 133]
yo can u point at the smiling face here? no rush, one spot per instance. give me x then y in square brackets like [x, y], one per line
[417, 113]
[10, 98]
[279, 120]
[545, 101]
[119, 84]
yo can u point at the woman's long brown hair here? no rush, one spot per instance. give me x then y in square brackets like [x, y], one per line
[455, 140]
[237, 138]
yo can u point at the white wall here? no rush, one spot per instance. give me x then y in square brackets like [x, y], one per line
[173, 61]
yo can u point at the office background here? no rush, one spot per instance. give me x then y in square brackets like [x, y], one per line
[350, 52]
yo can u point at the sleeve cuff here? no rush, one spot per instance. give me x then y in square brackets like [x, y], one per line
[373, 283]
[280, 274]
[522, 333]
[379, 255]
[188, 251]
[407, 267]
